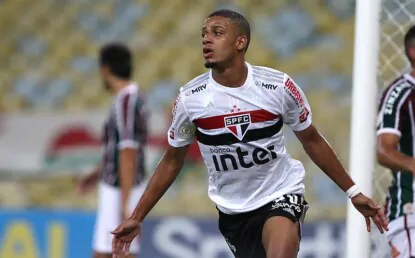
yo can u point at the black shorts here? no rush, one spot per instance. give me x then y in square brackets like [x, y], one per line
[243, 231]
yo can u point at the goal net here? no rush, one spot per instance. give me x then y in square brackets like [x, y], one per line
[396, 17]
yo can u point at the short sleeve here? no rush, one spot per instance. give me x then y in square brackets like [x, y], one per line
[393, 109]
[129, 112]
[296, 110]
[182, 130]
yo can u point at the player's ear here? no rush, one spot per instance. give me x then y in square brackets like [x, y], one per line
[411, 52]
[241, 43]
[105, 70]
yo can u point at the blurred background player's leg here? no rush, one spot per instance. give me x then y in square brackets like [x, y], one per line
[109, 217]
[402, 244]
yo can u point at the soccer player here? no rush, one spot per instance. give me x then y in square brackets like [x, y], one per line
[121, 172]
[236, 112]
[396, 151]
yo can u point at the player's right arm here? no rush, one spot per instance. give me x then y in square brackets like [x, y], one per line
[393, 113]
[389, 156]
[180, 136]
[166, 172]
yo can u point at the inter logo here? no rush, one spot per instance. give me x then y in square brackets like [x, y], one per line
[238, 125]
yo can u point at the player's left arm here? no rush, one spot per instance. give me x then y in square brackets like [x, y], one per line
[323, 155]
[132, 128]
[297, 114]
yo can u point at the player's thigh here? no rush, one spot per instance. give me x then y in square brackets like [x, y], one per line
[281, 231]
[280, 237]
[107, 219]
[403, 242]
[135, 195]
[242, 233]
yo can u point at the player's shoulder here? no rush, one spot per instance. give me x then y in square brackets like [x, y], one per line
[402, 85]
[196, 84]
[270, 78]
[130, 92]
[267, 72]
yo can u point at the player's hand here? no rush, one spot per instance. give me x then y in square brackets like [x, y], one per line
[87, 183]
[394, 251]
[124, 234]
[370, 210]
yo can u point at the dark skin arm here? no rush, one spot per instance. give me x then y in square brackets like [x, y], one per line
[325, 158]
[166, 172]
[389, 156]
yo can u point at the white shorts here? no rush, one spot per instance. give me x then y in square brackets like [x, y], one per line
[404, 242]
[109, 216]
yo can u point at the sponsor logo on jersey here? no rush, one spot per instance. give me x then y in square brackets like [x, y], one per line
[238, 125]
[393, 96]
[219, 150]
[294, 92]
[269, 86]
[303, 114]
[199, 89]
[174, 109]
[244, 158]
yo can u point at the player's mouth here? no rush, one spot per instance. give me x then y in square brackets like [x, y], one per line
[207, 52]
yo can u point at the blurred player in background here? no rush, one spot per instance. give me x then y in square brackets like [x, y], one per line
[236, 112]
[396, 151]
[121, 172]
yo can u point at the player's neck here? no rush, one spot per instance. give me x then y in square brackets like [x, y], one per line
[413, 72]
[232, 76]
[117, 85]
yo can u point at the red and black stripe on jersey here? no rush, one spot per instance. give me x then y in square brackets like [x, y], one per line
[218, 122]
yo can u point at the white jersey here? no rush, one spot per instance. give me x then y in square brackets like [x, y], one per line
[239, 132]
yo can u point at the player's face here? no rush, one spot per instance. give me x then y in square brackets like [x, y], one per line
[220, 41]
[104, 75]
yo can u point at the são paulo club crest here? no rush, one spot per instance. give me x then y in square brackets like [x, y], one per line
[238, 124]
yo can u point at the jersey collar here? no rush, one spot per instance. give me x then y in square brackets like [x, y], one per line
[247, 84]
[410, 78]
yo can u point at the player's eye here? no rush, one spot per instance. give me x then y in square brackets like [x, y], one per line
[217, 33]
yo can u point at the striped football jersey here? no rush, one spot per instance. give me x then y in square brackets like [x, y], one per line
[125, 127]
[396, 116]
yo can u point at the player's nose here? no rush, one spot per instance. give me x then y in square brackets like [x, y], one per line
[207, 39]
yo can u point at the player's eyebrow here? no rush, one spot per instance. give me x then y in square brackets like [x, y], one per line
[214, 26]
[217, 26]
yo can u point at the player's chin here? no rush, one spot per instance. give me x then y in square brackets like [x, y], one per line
[209, 63]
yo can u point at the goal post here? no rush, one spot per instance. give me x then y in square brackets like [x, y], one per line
[363, 120]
